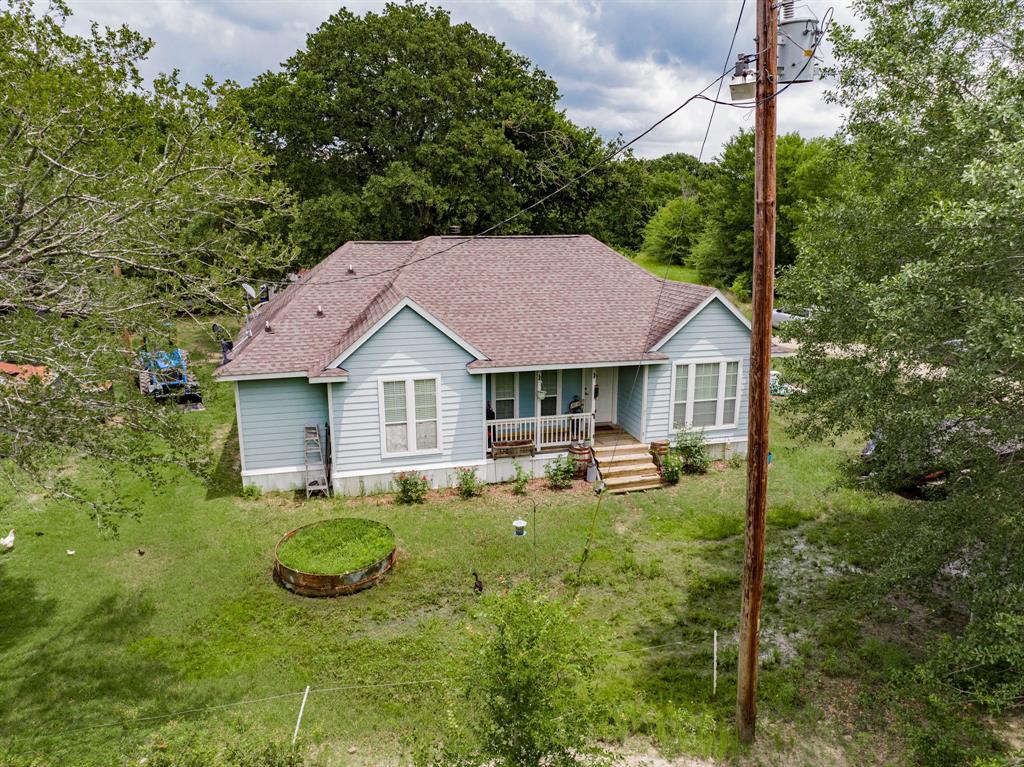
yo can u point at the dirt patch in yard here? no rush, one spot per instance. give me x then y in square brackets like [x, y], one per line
[652, 759]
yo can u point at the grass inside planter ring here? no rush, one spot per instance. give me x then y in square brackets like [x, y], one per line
[337, 546]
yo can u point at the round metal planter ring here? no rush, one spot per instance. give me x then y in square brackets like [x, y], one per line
[319, 584]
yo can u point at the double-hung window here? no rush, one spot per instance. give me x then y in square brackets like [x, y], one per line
[705, 395]
[504, 395]
[548, 382]
[410, 412]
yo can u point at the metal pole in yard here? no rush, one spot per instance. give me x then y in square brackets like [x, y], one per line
[534, 541]
[298, 722]
[760, 365]
[714, 665]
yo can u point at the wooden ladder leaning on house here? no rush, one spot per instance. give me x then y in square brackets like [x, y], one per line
[316, 474]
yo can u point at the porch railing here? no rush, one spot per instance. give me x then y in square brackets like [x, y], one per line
[544, 431]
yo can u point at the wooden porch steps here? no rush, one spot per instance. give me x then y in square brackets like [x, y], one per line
[618, 469]
[626, 465]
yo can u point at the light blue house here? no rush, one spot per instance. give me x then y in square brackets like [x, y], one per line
[463, 352]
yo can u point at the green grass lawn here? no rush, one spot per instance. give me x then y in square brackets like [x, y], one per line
[681, 273]
[179, 611]
[667, 271]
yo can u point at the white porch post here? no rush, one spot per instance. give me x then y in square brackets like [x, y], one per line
[536, 410]
[483, 415]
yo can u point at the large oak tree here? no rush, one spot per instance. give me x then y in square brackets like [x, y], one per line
[399, 124]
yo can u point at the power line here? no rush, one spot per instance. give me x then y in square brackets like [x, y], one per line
[608, 157]
[604, 160]
[728, 58]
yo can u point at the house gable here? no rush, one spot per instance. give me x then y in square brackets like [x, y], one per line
[407, 345]
[404, 305]
[714, 298]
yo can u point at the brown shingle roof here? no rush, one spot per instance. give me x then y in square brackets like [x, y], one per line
[521, 301]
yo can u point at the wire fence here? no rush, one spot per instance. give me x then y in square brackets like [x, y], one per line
[305, 699]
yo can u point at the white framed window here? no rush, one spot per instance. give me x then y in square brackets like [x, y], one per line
[550, 383]
[410, 415]
[705, 394]
[505, 395]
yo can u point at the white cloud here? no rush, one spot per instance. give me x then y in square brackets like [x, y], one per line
[619, 65]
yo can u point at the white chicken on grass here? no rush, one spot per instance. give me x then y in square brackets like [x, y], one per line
[7, 542]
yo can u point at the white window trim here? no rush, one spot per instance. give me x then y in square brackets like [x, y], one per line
[536, 393]
[515, 395]
[410, 414]
[690, 382]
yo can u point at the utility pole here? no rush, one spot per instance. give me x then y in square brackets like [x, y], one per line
[760, 367]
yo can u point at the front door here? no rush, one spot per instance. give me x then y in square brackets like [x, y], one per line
[604, 402]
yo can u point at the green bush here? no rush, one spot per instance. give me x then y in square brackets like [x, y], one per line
[741, 287]
[984, 665]
[692, 451]
[521, 479]
[672, 230]
[529, 684]
[468, 483]
[251, 492]
[412, 487]
[671, 467]
[561, 472]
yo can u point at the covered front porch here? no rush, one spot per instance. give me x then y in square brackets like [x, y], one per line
[548, 410]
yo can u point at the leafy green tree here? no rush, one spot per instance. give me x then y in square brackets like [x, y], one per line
[399, 124]
[916, 276]
[725, 248]
[671, 233]
[122, 208]
[672, 175]
[619, 207]
[529, 683]
[633, 190]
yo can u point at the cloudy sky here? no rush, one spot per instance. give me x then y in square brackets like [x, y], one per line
[619, 64]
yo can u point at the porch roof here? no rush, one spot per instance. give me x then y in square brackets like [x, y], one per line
[493, 366]
[519, 301]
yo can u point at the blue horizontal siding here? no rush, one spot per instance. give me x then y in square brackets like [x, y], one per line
[572, 385]
[407, 345]
[273, 414]
[715, 332]
[527, 394]
[630, 396]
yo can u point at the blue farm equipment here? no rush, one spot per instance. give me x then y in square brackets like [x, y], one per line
[166, 375]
